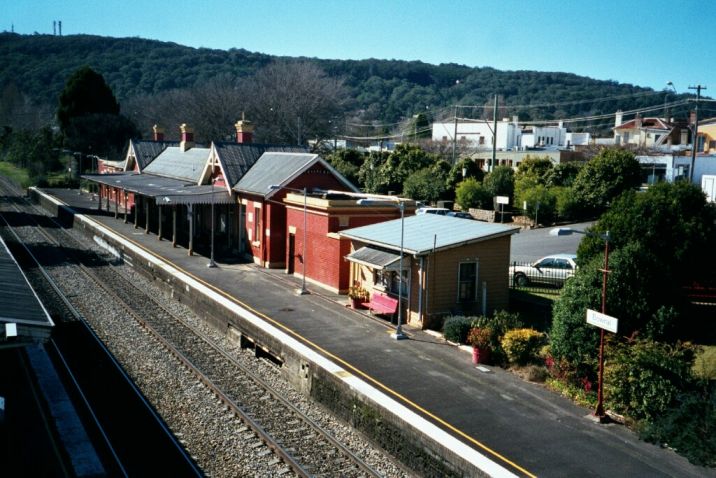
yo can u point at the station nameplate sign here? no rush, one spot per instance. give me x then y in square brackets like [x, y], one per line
[603, 321]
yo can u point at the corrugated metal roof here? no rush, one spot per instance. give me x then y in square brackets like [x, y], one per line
[237, 158]
[420, 232]
[373, 257]
[18, 302]
[273, 168]
[173, 163]
[145, 151]
[174, 190]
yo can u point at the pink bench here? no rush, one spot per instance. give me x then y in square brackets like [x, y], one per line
[380, 303]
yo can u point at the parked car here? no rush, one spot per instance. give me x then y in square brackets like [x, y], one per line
[441, 211]
[553, 270]
[460, 214]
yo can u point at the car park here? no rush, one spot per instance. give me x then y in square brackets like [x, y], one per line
[553, 270]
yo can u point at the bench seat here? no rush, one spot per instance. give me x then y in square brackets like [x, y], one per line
[380, 303]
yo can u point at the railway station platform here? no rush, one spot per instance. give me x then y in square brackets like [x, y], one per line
[519, 428]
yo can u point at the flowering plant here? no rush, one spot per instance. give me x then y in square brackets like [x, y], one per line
[358, 292]
[479, 337]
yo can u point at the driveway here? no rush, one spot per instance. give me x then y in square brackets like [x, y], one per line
[532, 244]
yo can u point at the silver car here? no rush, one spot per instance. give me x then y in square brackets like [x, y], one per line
[552, 270]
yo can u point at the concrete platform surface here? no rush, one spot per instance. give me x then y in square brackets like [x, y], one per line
[519, 425]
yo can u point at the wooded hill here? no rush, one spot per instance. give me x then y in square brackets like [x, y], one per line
[382, 90]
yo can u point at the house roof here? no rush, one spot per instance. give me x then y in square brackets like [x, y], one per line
[173, 163]
[646, 123]
[425, 232]
[237, 158]
[280, 169]
[374, 258]
[145, 151]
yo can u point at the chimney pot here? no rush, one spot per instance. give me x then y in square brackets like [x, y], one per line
[244, 131]
[187, 137]
[157, 133]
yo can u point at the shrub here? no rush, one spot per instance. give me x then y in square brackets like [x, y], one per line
[522, 346]
[644, 378]
[498, 324]
[480, 337]
[456, 328]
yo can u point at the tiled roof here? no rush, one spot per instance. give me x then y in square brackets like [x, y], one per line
[646, 123]
[237, 158]
[186, 166]
[273, 168]
[425, 231]
[145, 151]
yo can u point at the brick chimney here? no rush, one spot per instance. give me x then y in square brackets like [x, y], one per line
[244, 131]
[157, 133]
[187, 137]
[637, 123]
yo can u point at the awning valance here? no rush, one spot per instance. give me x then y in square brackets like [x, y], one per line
[375, 258]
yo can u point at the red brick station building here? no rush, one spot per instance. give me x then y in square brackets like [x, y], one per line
[283, 207]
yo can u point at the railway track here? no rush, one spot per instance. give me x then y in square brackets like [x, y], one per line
[272, 425]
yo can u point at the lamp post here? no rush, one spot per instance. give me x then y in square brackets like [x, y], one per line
[391, 201]
[565, 231]
[303, 290]
[211, 263]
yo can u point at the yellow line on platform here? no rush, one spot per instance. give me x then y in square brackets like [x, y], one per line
[339, 360]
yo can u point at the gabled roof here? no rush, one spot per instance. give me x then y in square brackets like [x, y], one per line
[423, 232]
[646, 123]
[186, 166]
[280, 169]
[237, 158]
[145, 151]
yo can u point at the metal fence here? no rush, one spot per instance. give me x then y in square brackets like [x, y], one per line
[526, 277]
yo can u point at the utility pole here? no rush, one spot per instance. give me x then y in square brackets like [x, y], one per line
[494, 137]
[454, 137]
[695, 139]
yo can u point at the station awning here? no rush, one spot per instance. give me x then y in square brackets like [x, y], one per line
[166, 191]
[375, 258]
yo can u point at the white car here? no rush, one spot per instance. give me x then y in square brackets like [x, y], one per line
[553, 270]
[441, 211]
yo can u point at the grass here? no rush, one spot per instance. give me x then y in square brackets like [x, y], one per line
[705, 363]
[18, 175]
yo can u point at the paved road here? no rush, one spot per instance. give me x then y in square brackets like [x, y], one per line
[532, 244]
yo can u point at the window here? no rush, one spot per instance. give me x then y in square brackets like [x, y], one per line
[257, 225]
[467, 282]
[390, 281]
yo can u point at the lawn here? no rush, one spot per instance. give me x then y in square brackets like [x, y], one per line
[18, 175]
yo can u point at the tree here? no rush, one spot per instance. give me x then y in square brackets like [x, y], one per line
[605, 177]
[500, 182]
[424, 186]
[89, 118]
[471, 170]
[348, 163]
[472, 194]
[85, 93]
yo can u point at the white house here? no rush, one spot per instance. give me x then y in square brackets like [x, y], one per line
[478, 133]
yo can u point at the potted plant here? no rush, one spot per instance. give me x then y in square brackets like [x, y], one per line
[480, 339]
[357, 295]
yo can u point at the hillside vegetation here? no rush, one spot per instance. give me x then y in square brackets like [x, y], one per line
[381, 90]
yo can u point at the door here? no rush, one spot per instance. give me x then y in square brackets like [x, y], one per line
[291, 253]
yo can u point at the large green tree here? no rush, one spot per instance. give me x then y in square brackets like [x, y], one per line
[605, 177]
[88, 115]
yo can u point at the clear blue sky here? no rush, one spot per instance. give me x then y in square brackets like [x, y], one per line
[647, 43]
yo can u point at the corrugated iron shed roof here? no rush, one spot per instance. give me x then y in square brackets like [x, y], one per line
[167, 191]
[273, 168]
[173, 163]
[18, 302]
[373, 257]
[421, 231]
[237, 158]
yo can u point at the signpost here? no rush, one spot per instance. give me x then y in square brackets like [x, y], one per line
[502, 200]
[603, 321]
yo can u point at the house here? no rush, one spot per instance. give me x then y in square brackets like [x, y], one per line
[450, 265]
[261, 191]
[648, 132]
[478, 133]
[707, 136]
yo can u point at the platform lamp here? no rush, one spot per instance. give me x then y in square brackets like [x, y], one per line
[566, 231]
[303, 290]
[380, 200]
